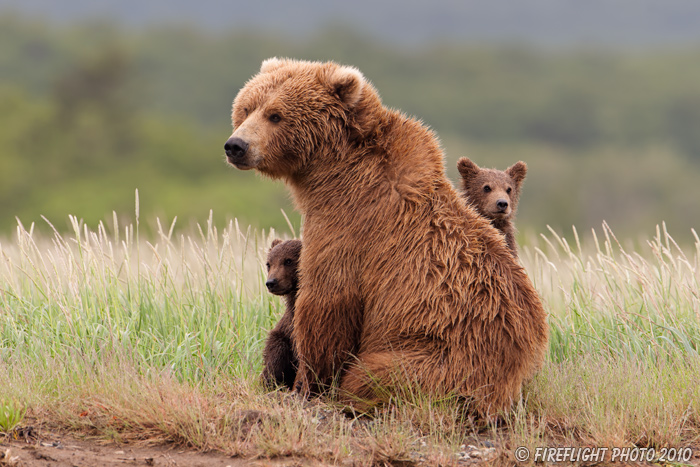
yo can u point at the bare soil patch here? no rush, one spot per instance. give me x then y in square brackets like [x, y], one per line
[44, 448]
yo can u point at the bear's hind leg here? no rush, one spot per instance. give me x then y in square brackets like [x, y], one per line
[375, 378]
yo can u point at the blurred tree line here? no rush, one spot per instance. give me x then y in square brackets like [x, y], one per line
[88, 114]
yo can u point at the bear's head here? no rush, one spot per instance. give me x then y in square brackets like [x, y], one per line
[290, 112]
[494, 193]
[282, 266]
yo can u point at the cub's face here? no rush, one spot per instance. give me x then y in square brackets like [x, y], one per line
[288, 112]
[282, 267]
[494, 193]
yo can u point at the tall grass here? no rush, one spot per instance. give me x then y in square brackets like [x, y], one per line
[624, 341]
[160, 339]
[192, 304]
[619, 303]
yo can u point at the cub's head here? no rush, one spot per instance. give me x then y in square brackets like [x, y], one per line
[494, 193]
[289, 112]
[282, 266]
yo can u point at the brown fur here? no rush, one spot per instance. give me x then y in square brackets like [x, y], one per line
[494, 194]
[279, 359]
[400, 280]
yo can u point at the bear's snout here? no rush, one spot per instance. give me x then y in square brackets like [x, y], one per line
[502, 205]
[235, 148]
[271, 284]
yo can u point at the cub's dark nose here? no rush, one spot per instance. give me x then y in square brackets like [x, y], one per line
[271, 284]
[502, 204]
[235, 148]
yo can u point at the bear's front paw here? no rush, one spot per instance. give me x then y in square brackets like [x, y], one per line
[301, 388]
[267, 380]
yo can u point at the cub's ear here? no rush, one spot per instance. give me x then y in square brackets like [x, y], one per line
[346, 83]
[272, 64]
[517, 172]
[275, 242]
[467, 168]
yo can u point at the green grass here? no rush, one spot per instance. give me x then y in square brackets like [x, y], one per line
[11, 415]
[192, 305]
[621, 304]
[108, 334]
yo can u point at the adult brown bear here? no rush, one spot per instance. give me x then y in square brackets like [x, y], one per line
[400, 281]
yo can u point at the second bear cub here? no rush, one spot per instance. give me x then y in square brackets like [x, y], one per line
[279, 360]
[494, 194]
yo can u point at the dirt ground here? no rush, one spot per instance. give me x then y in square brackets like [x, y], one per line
[57, 450]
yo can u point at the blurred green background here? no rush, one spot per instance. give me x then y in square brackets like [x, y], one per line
[94, 106]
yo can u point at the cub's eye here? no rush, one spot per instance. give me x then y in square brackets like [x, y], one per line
[245, 111]
[487, 189]
[268, 266]
[287, 262]
[275, 118]
[509, 190]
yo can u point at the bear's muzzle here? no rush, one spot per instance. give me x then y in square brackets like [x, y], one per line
[235, 149]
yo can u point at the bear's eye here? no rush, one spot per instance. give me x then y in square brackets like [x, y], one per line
[487, 189]
[275, 118]
[268, 266]
[509, 190]
[245, 111]
[287, 262]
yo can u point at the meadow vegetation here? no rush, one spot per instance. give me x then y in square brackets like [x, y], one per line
[114, 334]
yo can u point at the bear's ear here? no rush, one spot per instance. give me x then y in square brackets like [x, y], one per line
[346, 83]
[517, 172]
[467, 168]
[272, 64]
[275, 242]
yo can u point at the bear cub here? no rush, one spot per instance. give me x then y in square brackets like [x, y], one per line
[279, 359]
[494, 194]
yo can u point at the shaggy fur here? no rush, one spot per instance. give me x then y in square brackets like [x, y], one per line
[400, 280]
[494, 194]
[279, 360]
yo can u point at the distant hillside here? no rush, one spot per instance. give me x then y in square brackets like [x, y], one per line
[90, 112]
[544, 22]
